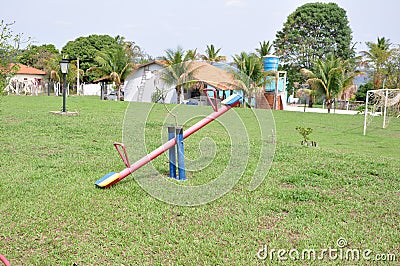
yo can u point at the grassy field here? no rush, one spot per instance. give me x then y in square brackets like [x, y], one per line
[52, 214]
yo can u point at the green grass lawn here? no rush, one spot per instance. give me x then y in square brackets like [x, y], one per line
[52, 214]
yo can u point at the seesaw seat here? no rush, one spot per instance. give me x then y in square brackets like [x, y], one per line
[107, 179]
[231, 100]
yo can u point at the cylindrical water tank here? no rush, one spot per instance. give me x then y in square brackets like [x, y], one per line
[271, 63]
[220, 65]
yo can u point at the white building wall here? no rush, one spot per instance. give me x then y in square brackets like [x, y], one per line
[133, 82]
[131, 86]
[95, 89]
[25, 83]
[22, 77]
[92, 89]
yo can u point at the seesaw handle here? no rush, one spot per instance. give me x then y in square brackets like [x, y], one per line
[123, 156]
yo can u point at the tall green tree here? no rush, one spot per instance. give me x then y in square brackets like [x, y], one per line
[212, 54]
[38, 56]
[87, 48]
[311, 32]
[331, 76]
[114, 65]
[376, 58]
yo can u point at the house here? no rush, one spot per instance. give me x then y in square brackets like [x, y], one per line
[25, 73]
[27, 80]
[142, 85]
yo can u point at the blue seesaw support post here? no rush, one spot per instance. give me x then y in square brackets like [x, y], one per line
[172, 153]
[181, 154]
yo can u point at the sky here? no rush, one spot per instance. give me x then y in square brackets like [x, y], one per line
[157, 25]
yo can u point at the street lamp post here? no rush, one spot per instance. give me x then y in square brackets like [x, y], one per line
[64, 70]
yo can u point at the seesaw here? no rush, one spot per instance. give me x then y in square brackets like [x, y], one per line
[4, 260]
[112, 178]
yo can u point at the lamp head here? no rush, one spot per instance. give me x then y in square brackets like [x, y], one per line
[64, 66]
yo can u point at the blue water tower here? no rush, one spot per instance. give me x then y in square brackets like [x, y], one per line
[271, 62]
[220, 65]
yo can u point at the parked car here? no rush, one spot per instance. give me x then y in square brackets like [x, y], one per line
[113, 96]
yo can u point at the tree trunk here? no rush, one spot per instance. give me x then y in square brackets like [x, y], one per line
[178, 94]
[311, 101]
[377, 80]
[249, 100]
[328, 105]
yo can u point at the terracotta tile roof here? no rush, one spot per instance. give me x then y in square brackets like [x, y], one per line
[162, 63]
[27, 70]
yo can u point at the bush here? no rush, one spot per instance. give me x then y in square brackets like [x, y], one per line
[304, 132]
[362, 91]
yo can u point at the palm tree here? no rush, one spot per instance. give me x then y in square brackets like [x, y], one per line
[376, 57]
[176, 56]
[132, 50]
[265, 48]
[54, 76]
[211, 54]
[383, 43]
[239, 60]
[114, 65]
[192, 54]
[250, 75]
[179, 70]
[330, 77]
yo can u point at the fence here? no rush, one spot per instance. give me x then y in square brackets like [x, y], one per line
[54, 88]
[349, 105]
